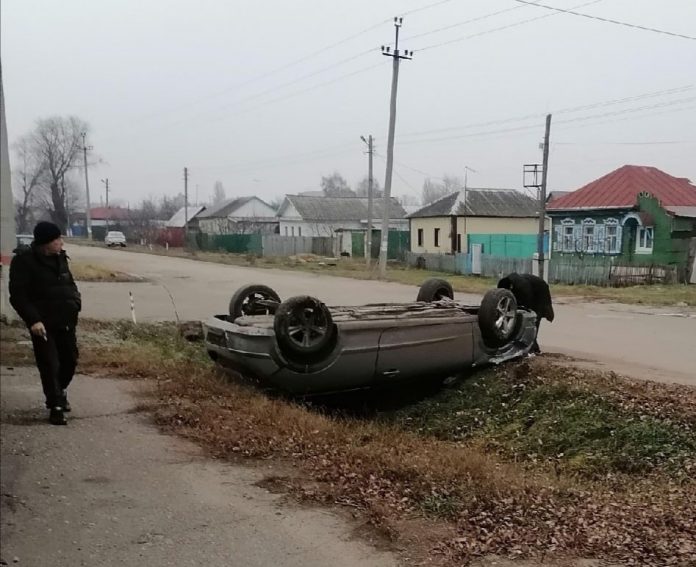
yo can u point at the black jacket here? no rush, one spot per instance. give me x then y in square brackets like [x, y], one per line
[531, 292]
[43, 289]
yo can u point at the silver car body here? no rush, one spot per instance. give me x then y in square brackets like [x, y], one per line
[377, 345]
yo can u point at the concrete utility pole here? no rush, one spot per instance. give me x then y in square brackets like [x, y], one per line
[185, 207]
[106, 183]
[88, 215]
[542, 197]
[370, 195]
[386, 198]
[8, 237]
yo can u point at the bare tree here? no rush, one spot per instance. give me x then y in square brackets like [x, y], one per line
[432, 191]
[30, 172]
[218, 193]
[335, 185]
[363, 186]
[408, 200]
[56, 142]
[169, 206]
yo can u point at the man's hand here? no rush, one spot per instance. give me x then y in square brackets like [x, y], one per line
[38, 329]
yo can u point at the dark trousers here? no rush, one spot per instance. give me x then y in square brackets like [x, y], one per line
[56, 359]
[535, 346]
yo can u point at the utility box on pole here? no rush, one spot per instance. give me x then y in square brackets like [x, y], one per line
[8, 237]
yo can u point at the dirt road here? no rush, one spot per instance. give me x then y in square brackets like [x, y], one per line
[651, 343]
[110, 490]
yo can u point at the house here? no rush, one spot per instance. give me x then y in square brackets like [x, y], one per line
[504, 222]
[241, 215]
[635, 214]
[174, 231]
[309, 215]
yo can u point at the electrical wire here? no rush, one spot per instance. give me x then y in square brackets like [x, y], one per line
[569, 109]
[606, 20]
[571, 120]
[501, 28]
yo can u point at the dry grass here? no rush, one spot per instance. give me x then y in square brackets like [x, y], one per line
[95, 273]
[474, 501]
[658, 295]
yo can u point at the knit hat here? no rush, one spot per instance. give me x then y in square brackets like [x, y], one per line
[45, 232]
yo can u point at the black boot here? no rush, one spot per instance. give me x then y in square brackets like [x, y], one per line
[57, 417]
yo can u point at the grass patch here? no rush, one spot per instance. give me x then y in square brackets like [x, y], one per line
[657, 295]
[538, 413]
[85, 272]
[395, 473]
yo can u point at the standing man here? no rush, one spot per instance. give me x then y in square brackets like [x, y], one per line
[44, 294]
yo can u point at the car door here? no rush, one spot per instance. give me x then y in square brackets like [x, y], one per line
[425, 349]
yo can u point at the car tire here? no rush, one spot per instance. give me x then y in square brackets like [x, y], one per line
[304, 329]
[435, 289]
[245, 301]
[497, 317]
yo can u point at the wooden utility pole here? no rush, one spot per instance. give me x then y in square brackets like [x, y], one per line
[386, 198]
[88, 215]
[370, 196]
[185, 207]
[542, 198]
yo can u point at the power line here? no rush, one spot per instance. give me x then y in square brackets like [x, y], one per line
[571, 120]
[501, 28]
[660, 143]
[384, 159]
[297, 61]
[607, 20]
[566, 110]
[462, 23]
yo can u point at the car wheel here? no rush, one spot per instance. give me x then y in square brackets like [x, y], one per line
[497, 317]
[303, 326]
[435, 289]
[254, 299]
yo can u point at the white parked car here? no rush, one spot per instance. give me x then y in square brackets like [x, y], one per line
[115, 238]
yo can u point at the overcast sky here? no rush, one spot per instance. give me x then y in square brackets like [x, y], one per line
[267, 97]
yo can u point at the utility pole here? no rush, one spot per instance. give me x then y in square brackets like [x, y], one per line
[185, 207]
[542, 197]
[386, 198]
[370, 194]
[106, 183]
[88, 215]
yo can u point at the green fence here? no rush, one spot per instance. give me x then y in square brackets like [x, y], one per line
[398, 245]
[234, 243]
[507, 245]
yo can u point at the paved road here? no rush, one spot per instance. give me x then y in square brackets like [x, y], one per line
[650, 343]
[110, 490]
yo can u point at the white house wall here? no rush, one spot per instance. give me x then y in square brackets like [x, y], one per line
[289, 227]
[470, 225]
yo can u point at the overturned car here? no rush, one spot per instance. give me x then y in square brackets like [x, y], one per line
[303, 347]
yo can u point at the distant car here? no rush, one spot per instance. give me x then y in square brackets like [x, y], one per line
[304, 347]
[23, 242]
[115, 238]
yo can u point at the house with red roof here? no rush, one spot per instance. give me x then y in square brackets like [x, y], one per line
[635, 213]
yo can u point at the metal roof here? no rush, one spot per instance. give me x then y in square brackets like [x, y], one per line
[481, 203]
[177, 220]
[687, 212]
[226, 208]
[621, 187]
[340, 208]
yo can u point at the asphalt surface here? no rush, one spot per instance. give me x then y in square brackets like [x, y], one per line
[110, 490]
[643, 342]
